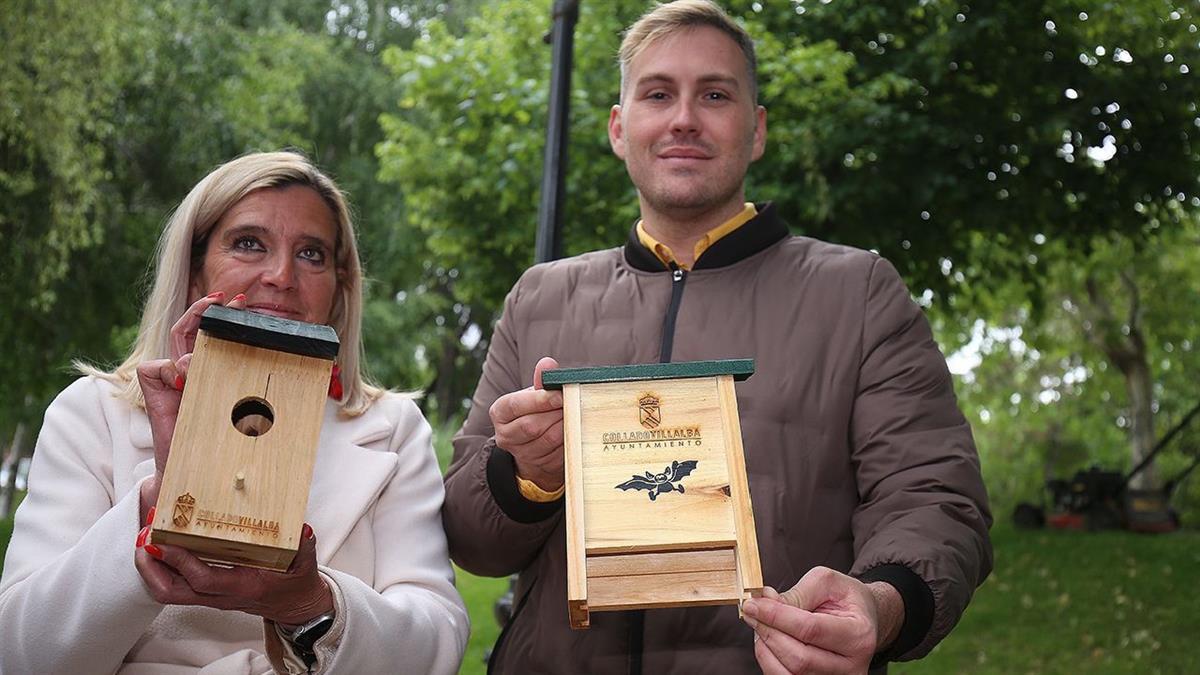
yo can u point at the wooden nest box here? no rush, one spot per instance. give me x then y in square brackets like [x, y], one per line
[236, 483]
[658, 505]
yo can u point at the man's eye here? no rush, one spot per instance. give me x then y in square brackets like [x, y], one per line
[715, 96]
[657, 96]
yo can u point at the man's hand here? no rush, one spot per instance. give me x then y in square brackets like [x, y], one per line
[529, 425]
[827, 623]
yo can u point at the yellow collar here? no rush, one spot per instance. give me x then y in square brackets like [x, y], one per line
[664, 253]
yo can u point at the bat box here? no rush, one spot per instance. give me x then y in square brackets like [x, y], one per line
[236, 482]
[657, 502]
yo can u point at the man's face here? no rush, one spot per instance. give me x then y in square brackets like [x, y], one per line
[688, 126]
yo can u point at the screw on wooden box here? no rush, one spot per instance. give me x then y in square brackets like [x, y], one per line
[657, 502]
[236, 483]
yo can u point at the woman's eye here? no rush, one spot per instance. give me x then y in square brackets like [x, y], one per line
[248, 244]
[312, 254]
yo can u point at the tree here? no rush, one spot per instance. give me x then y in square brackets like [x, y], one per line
[1002, 120]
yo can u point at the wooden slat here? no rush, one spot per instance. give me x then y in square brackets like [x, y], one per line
[749, 569]
[679, 589]
[661, 563]
[577, 589]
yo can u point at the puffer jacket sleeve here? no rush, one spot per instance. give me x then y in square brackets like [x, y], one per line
[492, 529]
[923, 519]
[71, 599]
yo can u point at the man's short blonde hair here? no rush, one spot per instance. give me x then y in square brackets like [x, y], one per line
[671, 17]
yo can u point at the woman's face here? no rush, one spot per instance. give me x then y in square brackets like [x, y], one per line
[275, 245]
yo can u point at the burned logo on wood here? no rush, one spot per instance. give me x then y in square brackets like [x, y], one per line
[184, 505]
[649, 413]
[661, 483]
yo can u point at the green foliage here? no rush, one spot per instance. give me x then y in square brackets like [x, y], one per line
[1003, 121]
[58, 81]
[479, 594]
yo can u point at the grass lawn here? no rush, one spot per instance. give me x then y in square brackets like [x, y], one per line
[1074, 602]
[480, 594]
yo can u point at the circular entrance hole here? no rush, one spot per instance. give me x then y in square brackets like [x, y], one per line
[253, 416]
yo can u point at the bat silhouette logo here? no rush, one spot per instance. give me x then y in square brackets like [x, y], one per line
[661, 483]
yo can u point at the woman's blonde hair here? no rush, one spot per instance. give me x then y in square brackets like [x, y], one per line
[181, 251]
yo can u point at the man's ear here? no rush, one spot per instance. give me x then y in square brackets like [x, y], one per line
[760, 132]
[616, 134]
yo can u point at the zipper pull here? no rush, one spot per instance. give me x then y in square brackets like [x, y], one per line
[677, 272]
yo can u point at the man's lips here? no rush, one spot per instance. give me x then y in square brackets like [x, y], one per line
[683, 153]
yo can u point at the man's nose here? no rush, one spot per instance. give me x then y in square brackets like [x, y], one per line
[685, 119]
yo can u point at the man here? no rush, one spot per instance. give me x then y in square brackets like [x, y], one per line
[865, 483]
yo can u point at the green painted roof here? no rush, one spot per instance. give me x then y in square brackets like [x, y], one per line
[740, 369]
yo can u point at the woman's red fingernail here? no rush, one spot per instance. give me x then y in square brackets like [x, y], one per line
[179, 383]
[240, 297]
[306, 531]
[214, 295]
[150, 516]
[142, 535]
[154, 551]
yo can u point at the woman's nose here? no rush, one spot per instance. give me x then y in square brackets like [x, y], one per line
[280, 272]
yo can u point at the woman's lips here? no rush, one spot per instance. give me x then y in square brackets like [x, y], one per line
[274, 310]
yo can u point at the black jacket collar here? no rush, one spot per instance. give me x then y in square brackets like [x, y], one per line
[755, 235]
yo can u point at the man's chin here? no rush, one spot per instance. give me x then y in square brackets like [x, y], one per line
[691, 201]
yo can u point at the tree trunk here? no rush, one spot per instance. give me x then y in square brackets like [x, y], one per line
[1139, 384]
[12, 462]
[444, 390]
[1122, 341]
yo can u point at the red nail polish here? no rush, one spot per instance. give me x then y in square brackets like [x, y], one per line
[239, 296]
[150, 516]
[154, 551]
[142, 535]
[306, 531]
[179, 383]
[214, 295]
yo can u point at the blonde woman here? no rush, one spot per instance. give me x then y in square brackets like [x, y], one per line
[371, 589]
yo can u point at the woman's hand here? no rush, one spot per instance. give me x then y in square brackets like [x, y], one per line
[183, 333]
[162, 388]
[175, 576]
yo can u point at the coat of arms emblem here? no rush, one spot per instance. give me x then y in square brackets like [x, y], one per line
[183, 510]
[649, 413]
